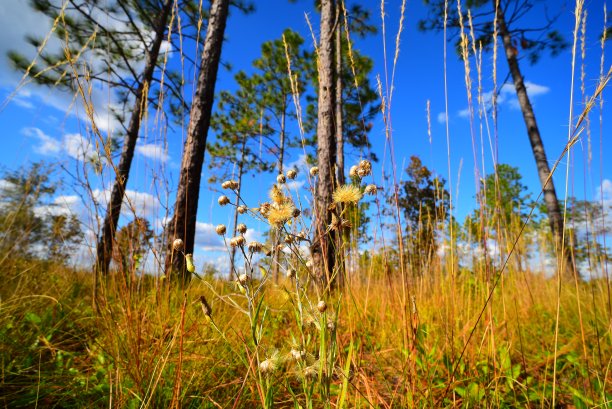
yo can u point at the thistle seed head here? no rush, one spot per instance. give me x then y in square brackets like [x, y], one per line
[281, 179]
[322, 306]
[243, 279]
[177, 245]
[255, 247]
[353, 171]
[296, 212]
[237, 241]
[291, 174]
[241, 228]
[242, 209]
[223, 200]
[314, 171]
[365, 168]
[230, 184]
[220, 229]
[370, 190]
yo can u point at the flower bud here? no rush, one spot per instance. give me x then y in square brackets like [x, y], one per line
[241, 228]
[243, 278]
[189, 260]
[314, 171]
[281, 179]
[177, 245]
[321, 306]
[291, 174]
[370, 190]
[223, 200]
[242, 209]
[237, 241]
[255, 247]
[220, 229]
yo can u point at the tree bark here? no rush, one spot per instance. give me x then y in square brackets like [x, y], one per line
[323, 247]
[555, 217]
[240, 173]
[183, 223]
[340, 237]
[104, 248]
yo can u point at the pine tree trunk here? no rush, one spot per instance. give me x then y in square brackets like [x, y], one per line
[240, 173]
[550, 195]
[323, 247]
[104, 250]
[183, 222]
[339, 139]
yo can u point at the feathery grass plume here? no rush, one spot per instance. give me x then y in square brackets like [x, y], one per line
[242, 209]
[280, 214]
[281, 179]
[347, 194]
[230, 184]
[177, 245]
[190, 265]
[291, 174]
[223, 200]
[255, 247]
[370, 190]
[314, 171]
[205, 306]
[237, 241]
[220, 229]
[241, 228]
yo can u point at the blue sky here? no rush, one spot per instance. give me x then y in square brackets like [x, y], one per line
[43, 124]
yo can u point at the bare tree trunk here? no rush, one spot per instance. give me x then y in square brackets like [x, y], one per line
[183, 222]
[104, 250]
[550, 195]
[323, 247]
[281, 155]
[240, 173]
[339, 139]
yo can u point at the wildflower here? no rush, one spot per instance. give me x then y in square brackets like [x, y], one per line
[220, 229]
[230, 184]
[347, 194]
[291, 273]
[223, 200]
[279, 215]
[314, 171]
[241, 228]
[237, 241]
[281, 179]
[255, 247]
[177, 245]
[353, 171]
[365, 168]
[242, 209]
[321, 306]
[205, 306]
[291, 174]
[189, 260]
[277, 195]
[243, 278]
[370, 190]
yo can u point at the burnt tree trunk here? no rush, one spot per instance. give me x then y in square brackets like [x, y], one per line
[104, 246]
[183, 223]
[323, 247]
[550, 195]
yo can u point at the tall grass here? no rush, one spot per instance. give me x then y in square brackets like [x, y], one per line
[394, 334]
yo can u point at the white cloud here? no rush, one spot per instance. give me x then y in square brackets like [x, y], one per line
[442, 118]
[153, 151]
[295, 184]
[464, 113]
[206, 238]
[135, 203]
[47, 145]
[507, 96]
